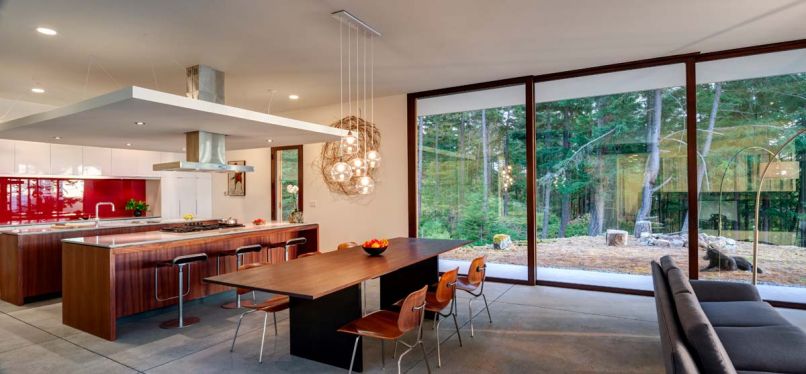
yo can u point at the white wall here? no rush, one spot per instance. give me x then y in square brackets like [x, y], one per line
[340, 218]
[257, 202]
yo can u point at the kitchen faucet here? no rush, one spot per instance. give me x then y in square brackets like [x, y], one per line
[97, 214]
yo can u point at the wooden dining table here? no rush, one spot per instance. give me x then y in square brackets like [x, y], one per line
[325, 290]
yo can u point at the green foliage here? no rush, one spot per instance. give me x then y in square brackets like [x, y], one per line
[136, 205]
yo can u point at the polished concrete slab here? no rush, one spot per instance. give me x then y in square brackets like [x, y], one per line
[534, 330]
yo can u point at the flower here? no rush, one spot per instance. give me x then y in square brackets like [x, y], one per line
[292, 189]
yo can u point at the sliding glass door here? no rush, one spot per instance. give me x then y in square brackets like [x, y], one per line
[471, 176]
[752, 112]
[611, 176]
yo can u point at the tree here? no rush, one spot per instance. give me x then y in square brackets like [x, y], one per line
[652, 167]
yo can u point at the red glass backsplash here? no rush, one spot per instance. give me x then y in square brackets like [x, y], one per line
[35, 200]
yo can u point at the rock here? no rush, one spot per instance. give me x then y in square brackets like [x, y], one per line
[678, 243]
[616, 238]
[663, 243]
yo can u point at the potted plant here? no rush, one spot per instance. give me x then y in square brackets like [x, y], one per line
[296, 215]
[139, 207]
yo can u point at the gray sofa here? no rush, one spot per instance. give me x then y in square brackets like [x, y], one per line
[721, 327]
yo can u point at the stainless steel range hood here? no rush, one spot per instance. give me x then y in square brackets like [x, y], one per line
[205, 152]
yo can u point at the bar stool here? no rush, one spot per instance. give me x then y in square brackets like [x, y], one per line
[239, 253]
[473, 284]
[293, 242]
[388, 325]
[180, 262]
[346, 245]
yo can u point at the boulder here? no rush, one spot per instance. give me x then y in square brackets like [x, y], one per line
[616, 238]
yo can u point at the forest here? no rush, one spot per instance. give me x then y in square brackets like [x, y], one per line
[609, 161]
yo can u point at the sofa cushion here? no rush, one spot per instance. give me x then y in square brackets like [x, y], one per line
[701, 335]
[742, 314]
[678, 282]
[780, 349]
[667, 263]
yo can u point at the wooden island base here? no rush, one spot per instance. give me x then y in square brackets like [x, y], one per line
[103, 283]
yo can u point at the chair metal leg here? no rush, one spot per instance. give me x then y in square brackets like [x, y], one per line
[394, 354]
[240, 319]
[486, 306]
[352, 359]
[275, 324]
[470, 312]
[383, 359]
[263, 339]
[456, 324]
[436, 331]
[425, 356]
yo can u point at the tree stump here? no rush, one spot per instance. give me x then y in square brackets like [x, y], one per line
[616, 238]
[642, 227]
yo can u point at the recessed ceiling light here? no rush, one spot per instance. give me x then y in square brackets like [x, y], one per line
[57, 137]
[268, 140]
[38, 90]
[140, 123]
[46, 31]
[128, 144]
[293, 97]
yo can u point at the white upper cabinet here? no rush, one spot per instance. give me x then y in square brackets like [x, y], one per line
[66, 160]
[31, 158]
[146, 163]
[204, 196]
[126, 162]
[97, 161]
[186, 195]
[6, 157]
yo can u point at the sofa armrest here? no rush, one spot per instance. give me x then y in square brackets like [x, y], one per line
[707, 290]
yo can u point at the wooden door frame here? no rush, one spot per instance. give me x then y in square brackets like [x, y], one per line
[300, 163]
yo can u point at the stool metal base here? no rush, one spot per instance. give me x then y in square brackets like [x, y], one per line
[234, 305]
[174, 323]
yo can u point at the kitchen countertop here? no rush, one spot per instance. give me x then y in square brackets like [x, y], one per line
[110, 224]
[154, 237]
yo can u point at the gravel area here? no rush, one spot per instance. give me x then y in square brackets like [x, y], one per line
[781, 265]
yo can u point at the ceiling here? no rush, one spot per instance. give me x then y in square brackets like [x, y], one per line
[293, 46]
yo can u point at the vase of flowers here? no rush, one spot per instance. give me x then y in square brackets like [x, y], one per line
[138, 207]
[296, 215]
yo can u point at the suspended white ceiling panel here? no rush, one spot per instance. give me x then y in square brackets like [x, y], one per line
[110, 121]
[611, 83]
[473, 100]
[748, 67]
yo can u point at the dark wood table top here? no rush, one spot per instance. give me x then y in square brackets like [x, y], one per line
[316, 276]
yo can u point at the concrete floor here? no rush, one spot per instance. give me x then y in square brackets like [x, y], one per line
[534, 330]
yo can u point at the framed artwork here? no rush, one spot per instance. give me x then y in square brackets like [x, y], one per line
[236, 182]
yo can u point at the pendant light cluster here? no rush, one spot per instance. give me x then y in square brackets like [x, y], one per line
[357, 154]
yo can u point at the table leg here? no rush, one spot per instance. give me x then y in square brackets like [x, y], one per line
[396, 285]
[314, 324]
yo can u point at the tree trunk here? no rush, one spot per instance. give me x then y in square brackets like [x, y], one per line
[565, 202]
[461, 153]
[505, 157]
[706, 148]
[419, 165]
[485, 163]
[544, 234]
[653, 160]
[597, 192]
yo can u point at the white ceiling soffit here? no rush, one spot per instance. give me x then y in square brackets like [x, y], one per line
[473, 100]
[611, 83]
[757, 66]
[110, 121]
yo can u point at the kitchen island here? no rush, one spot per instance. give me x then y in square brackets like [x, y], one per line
[31, 255]
[112, 276]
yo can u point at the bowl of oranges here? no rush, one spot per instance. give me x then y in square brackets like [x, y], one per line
[374, 247]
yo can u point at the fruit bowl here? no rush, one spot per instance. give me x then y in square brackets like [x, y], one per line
[375, 247]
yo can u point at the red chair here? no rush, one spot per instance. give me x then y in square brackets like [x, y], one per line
[473, 284]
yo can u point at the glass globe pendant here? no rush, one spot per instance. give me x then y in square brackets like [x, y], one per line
[341, 172]
[365, 185]
[349, 144]
[373, 159]
[359, 166]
